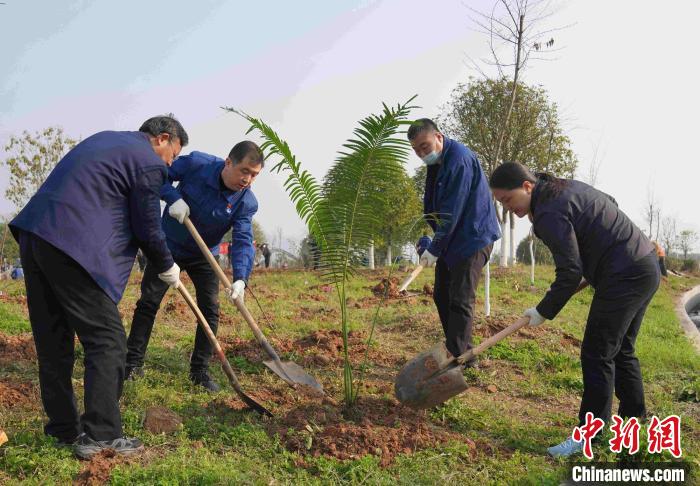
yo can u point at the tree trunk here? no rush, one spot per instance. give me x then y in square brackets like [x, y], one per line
[511, 260]
[487, 287]
[371, 255]
[388, 251]
[532, 260]
[503, 261]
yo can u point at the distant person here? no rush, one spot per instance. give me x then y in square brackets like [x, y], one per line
[216, 195]
[17, 273]
[423, 243]
[266, 253]
[458, 207]
[661, 255]
[78, 237]
[592, 242]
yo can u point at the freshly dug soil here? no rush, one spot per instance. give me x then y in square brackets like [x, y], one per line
[160, 420]
[97, 470]
[393, 288]
[14, 394]
[377, 426]
[17, 348]
[321, 348]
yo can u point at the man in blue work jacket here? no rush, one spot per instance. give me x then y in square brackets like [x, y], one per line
[458, 206]
[78, 236]
[423, 243]
[216, 196]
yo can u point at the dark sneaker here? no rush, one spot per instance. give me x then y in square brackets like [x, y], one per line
[84, 447]
[133, 373]
[203, 379]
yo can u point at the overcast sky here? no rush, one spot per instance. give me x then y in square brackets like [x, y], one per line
[312, 69]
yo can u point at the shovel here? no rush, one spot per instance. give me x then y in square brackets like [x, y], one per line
[220, 353]
[435, 376]
[410, 278]
[292, 374]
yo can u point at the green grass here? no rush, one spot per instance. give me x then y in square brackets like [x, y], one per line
[522, 399]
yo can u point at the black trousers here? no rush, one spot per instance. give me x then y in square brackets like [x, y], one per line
[153, 289]
[63, 301]
[454, 294]
[608, 359]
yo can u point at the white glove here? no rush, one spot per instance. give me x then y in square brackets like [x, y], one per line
[171, 276]
[179, 210]
[535, 317]
[237, 290]
[427, 259]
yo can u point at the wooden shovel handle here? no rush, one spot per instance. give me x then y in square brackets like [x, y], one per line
[410, 278]
[259, 336]
[484, 345]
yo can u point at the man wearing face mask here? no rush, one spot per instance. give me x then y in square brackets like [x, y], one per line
[458, 207]
[215, 194]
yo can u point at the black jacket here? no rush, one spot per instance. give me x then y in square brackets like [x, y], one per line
[588, 235]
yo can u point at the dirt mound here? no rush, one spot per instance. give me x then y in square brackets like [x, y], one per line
[98, 469]
[381, 427]
[17, 348]
[323, 347]
[159, 420]
[13, 299]
[390, 286]
[178, 307]
[488, 326]
[13, 394]
[308, 313]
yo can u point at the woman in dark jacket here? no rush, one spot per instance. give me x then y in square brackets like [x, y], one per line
[592, 242]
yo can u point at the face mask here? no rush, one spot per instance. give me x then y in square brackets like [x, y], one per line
[432, 158]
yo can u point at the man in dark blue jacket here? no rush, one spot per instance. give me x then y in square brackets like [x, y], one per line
[78, 236]
[216, 196]
[458, 206]
[423, 243]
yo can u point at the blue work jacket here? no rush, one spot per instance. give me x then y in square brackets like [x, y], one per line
[457, 193]
[423, 244]
[100, 204]
[213, 211]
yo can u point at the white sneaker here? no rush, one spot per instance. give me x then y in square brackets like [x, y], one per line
[566, 448]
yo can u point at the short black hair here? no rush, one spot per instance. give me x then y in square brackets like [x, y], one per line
[421, 125]
[244, 148]
[165, 124]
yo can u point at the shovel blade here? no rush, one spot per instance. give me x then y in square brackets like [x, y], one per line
[295, 376]
[429, 379]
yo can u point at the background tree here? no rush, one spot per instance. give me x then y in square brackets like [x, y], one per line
[651, 209]
[9, 249]
[535, 136]
[687, 239]
[31, 159]
[513, 26]
[669, 233]
[542, 254]
[402, 209]
[258, 233]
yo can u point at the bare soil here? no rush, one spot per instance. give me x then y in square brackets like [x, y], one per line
[17, 348]
[97, 470]
[13, 394]
[377, 426]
